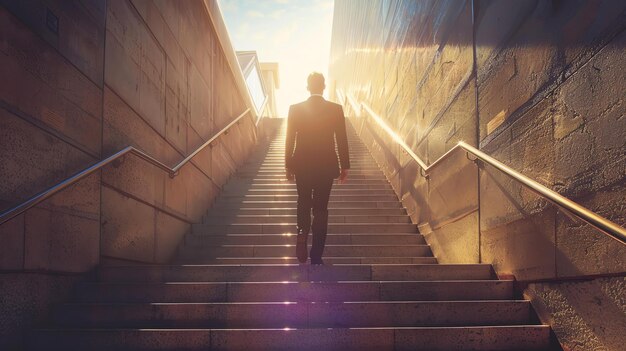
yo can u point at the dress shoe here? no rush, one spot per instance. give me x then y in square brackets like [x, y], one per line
[302, 251]
[317, 262]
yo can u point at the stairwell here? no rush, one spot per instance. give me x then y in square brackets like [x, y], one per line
[236, 285]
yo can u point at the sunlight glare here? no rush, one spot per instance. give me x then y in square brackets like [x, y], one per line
[296, 34]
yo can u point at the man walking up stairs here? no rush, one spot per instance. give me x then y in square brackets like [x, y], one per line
[315, 128]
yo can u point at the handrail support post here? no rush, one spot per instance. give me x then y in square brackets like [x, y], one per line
[467, 155]
[424, 174]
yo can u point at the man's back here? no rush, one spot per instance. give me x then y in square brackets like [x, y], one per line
[312, 129]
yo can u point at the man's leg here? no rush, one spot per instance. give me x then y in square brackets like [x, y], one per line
[305, 202]
[321, 195]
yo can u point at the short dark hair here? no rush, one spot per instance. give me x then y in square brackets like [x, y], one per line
[316, 82]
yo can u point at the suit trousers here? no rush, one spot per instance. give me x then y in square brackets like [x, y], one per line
[314, 193]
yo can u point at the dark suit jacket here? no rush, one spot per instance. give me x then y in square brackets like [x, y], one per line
[312, 128]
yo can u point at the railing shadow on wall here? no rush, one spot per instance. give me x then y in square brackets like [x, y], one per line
[32, 203]
[451, 191]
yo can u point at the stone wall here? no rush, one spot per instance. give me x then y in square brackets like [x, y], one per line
[81, 80]
[536, 84]
[168, 89]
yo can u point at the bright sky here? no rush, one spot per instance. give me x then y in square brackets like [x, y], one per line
[294, 33]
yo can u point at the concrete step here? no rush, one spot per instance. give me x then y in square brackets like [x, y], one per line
[292, 211]
[353, 141]
[354, 170]
[293, 315]
[280, 147]
[293, 260]
[280, 272]
[493, 338]
[353, 155]
[292, 185]
[354, 174]
[262, 169]
[282, 239]
[273, 188]
[280, 178]
[249, 219]
[293, 197]
[280, 160]
[280, 228]
[280, 167]
[353, 138]
[293, 192]
[292, 204]
[280, 163]
[192, 252]
[267, 184]
[280, 152]
[282, 181]
[354, 144]
[277, 165]
[294, 291]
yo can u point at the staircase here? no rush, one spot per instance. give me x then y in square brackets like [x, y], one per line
[236, 285]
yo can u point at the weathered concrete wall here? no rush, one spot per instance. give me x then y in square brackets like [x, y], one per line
[168, 89]
[550, 104]
[25, 300]
[412, 63]
[586, 314]
[80, 81]
[50, 127]
[539, 85]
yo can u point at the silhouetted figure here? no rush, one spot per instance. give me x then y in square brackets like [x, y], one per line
[313, 127]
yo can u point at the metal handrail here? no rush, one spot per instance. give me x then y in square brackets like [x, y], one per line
[604, 225]
[173, 172]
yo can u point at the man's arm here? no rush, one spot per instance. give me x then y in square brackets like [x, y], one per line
[342, 145]
[290, 143]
